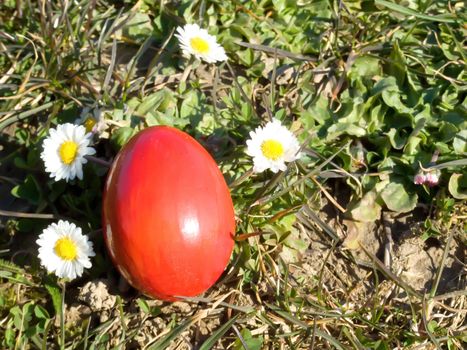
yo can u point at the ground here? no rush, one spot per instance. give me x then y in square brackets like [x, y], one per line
[342, 250]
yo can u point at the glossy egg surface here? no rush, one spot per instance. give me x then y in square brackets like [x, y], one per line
[168, 217]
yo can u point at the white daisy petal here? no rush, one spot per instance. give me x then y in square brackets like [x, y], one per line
[64, 151]
[198, 42]
[64, 250]
[271, 147]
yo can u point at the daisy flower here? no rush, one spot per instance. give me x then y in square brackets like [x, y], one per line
[271, 146]
[196, 41]
[64, 151]
[92, 119]
[63, 249]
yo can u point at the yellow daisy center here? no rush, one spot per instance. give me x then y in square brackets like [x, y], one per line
[65, 248]
[199, 45]
[89, 123]
[68, 151]
[272, 149]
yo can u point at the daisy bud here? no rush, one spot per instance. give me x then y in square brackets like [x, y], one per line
[419, 179]
[432, 178]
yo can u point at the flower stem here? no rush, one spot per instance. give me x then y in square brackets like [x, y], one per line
[62, 318]
[98, 161]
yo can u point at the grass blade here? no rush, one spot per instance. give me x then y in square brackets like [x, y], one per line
[409, 12]
[164, 342]
[333, 341]
[211, 341]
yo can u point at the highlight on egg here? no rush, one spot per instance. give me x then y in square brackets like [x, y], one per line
[168, 217]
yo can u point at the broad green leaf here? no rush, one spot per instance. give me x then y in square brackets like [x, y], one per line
[345, 128]
[392, 98]
[398, 199]
[364, 66]
[121, 136]
[458, 186]
[385, 84]
[397, 141]
[55, 293]
[318, 111]
[29, 190]
[367, 209]
[412, 146]
[41, 312]
[150, 103]
[166, 118]
[191, 104]
[10, 336]
[397, 64]
[446, 132]
[460, 143]
[138, 28]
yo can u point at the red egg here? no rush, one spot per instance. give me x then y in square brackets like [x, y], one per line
[168, 217]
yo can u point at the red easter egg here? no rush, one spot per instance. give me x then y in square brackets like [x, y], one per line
[168, 217]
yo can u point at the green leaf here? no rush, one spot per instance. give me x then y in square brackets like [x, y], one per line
[193, 108]
[409, 12]
[41, 312]
[28, 190]
[392, 98]
[398, 199]
[397, 64]
[385, 84]
[460, 142]
[143, 305]
[218, 333]
[317, 112]
[397, 141]
[252, 343]
[345, 128]
[121, 136]
[55, 293]
[10, 336]
[138, 27]
[446, 132]
[160, 101]
[166, 118]
[150, 103]
[367, 209]
[364, 66]
[458, 186]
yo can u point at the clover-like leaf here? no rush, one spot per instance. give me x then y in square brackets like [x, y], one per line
[398, 199]
[367, 209]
